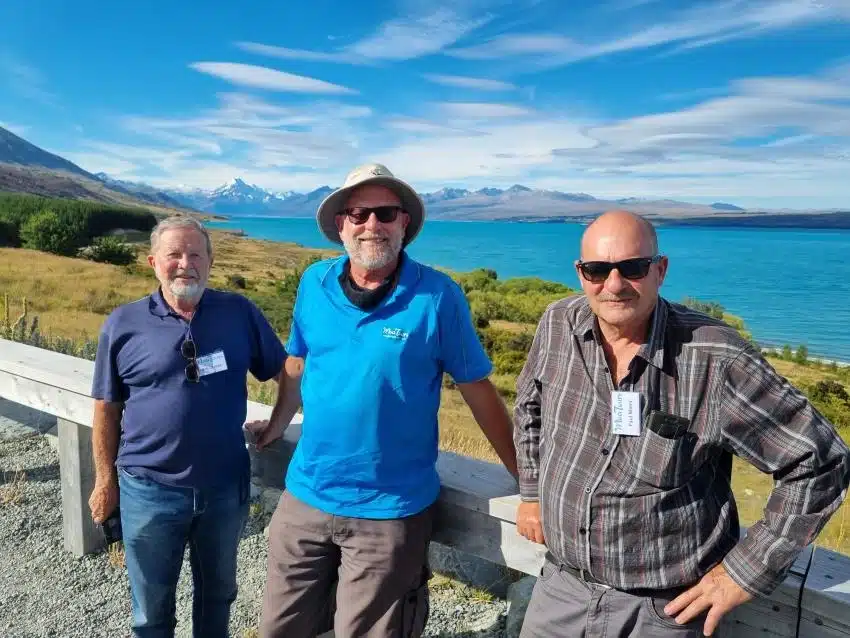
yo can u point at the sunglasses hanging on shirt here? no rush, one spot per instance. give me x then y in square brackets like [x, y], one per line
[190, 353]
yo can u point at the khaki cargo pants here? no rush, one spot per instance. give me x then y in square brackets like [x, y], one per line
[364, 578]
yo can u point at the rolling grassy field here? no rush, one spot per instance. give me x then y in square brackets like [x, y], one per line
[72, 297]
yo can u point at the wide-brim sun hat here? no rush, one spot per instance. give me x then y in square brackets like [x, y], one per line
[378, 174]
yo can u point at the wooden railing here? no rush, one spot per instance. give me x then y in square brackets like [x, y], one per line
[476, 507]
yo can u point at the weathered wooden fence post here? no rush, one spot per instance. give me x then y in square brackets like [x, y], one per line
[76, 471]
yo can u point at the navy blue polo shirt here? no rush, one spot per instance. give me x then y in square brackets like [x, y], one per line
[371, 389]
[174, 431]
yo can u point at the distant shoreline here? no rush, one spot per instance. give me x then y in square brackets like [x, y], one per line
[788, 221]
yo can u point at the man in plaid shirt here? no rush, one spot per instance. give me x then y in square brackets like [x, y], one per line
[629, 410]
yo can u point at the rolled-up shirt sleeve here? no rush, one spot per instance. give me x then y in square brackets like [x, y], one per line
[527, 416]
[771, 424]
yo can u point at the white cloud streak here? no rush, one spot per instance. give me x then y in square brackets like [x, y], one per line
[261, 77]
[463, 82]
[395, 40]
[477, 110]
[698, 26]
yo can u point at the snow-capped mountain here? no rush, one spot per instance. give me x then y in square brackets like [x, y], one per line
[237, 197]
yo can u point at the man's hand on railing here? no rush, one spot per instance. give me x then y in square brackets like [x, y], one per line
[528, 522]
[103, 500]
[263, 433]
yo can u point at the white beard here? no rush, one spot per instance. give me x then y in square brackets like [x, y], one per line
[373, 256]
[186, 292]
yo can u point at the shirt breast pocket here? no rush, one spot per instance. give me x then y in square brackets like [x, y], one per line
[662, 462]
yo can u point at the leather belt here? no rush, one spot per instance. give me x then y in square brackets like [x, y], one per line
[578, 573]
[590, 579]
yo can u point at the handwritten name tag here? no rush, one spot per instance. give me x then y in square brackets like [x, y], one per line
[625, 413]
[212, 363]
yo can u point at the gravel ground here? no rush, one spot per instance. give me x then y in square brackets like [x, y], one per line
[45, 591]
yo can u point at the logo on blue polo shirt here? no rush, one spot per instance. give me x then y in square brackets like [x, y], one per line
[394, 333]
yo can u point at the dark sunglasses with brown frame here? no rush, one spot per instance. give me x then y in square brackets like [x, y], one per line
[633, 269]
[361, 214]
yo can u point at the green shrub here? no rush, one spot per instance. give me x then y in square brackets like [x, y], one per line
[236, 281]
[49, 232]
[110, 250]
[9, 235]
[90, 219]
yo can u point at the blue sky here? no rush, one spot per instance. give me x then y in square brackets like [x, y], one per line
[735, 100]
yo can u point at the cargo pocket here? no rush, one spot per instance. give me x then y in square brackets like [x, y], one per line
[415, 608]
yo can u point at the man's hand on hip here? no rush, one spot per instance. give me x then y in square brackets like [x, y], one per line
[103, 500]
[715, 592]
[529, 523]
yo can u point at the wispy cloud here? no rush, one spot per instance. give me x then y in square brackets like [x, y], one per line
[261, 77]
[698, 26]
[244, 134]
[395, 40]
[463, 82]
[25, 80]
[475, 110]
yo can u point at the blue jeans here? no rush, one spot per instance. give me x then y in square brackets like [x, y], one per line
[158, 521]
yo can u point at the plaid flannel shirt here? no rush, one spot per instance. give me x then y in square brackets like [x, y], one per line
[651, 511]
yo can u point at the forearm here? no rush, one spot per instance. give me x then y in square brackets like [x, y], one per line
[492, 417]
[106, 436]
[289, 392]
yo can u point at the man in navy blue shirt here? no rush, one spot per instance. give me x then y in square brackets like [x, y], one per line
[374, 331]
[170, 401]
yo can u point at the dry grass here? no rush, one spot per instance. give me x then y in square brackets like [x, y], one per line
[115, 555]
[12, 488]
[73, 296]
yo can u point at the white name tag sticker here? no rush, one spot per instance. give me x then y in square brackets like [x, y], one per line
[212, 363]
[625, 413]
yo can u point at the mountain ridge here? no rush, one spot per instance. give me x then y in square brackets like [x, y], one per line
[24, 167]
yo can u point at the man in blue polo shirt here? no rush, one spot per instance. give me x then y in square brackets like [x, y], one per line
[170, 401]
[375, 332]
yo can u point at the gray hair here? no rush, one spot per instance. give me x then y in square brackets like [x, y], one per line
[180, 221]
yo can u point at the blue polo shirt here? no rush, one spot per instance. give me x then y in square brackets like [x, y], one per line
[174, 431]
[371, 389]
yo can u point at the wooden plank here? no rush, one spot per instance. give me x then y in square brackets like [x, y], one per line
[774, 616]
[487, 537]
[52, 368]
[825, 606]
[76, 470]
[56, 400]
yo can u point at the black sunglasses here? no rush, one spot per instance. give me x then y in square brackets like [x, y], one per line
[636, 268]
[360, 215]
[190, 352]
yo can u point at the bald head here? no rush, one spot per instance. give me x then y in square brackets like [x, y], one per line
[621, 228]
[624, 298]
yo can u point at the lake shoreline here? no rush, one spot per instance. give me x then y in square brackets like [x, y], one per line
[818, 355]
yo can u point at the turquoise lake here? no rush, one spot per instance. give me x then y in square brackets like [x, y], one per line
[789, 285]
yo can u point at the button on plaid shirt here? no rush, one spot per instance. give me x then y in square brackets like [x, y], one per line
[654, 511]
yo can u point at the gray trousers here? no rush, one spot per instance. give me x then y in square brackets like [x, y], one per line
[563, 606]
[366, 578]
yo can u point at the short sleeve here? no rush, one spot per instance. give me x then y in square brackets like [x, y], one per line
[461, 352]
[267, 352]
[295, 344]
[107, 384]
